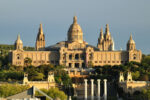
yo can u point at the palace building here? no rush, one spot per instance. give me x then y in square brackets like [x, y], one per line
[75, 52]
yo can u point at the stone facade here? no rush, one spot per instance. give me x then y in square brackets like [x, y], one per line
[130, 86]
[50, 83]
[75, 52]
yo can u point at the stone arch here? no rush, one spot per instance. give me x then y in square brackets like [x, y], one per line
[76, 56]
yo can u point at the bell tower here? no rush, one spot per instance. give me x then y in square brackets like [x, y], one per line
[101, 40]
[105, 42]
[40, 40]
[131, 44]
[18, 43]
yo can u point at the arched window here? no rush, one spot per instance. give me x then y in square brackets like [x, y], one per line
[90, 56]
[18, 57]
[134, 56]
[76, 56]
[70, 56]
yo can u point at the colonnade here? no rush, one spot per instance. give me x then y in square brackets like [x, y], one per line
[98, 89]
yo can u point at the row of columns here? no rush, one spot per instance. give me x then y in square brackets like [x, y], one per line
[98, 89]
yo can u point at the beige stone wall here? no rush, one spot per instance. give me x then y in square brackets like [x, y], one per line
[70, 57]
[76, 55]
[38, 57]
[41, 85]
[109, 58]
[135, 55]
[132, 86]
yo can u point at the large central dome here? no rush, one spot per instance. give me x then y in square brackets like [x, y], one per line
[75, 33]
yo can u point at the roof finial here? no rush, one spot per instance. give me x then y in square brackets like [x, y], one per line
[75, 19]
[107, 27]
[101, 32]
[41, 29]
[18, 37]
[131, 36]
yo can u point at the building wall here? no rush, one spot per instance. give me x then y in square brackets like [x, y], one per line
[76, 58]
[109, 58]
[37, 57]
[42, 84]
[132, 86]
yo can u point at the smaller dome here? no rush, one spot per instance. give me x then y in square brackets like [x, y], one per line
[18, 41]
[131, 41]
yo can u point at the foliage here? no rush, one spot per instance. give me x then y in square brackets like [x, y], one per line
[90, 64]
[27, 61]
[5, 49]
[135, 75]
[11, 89]
[146, 60]
[53, 93]
[144, 78]
[15, 75]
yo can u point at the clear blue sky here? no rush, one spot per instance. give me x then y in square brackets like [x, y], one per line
[123, 16]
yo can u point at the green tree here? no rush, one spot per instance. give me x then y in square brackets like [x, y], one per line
[53, 93]
[11, 89]
[39, 76]
[27, 61]
[136, 75]
[144, 77]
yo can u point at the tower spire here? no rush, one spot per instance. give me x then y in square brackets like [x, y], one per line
[107, 28]
[75, 19]
[40, 40]
[131, 36]
[101, 32]
[113, 44]
[131, 44]
[100, 40]
[41, 29]
[18, 43]
[18, 37]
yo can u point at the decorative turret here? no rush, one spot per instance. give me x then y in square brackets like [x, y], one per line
[105, 43]
[100, 40]
[51, 77]
[75, 33]
[129, 76]
[25, 79]
[131, 44]
[107, 33]
[18, 43]
[113, 45]
[40, 40]
[121, 77]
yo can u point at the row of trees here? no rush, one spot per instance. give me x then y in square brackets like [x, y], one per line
[5, 49]
[40, 73]
[12, 89]
[53, 93]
